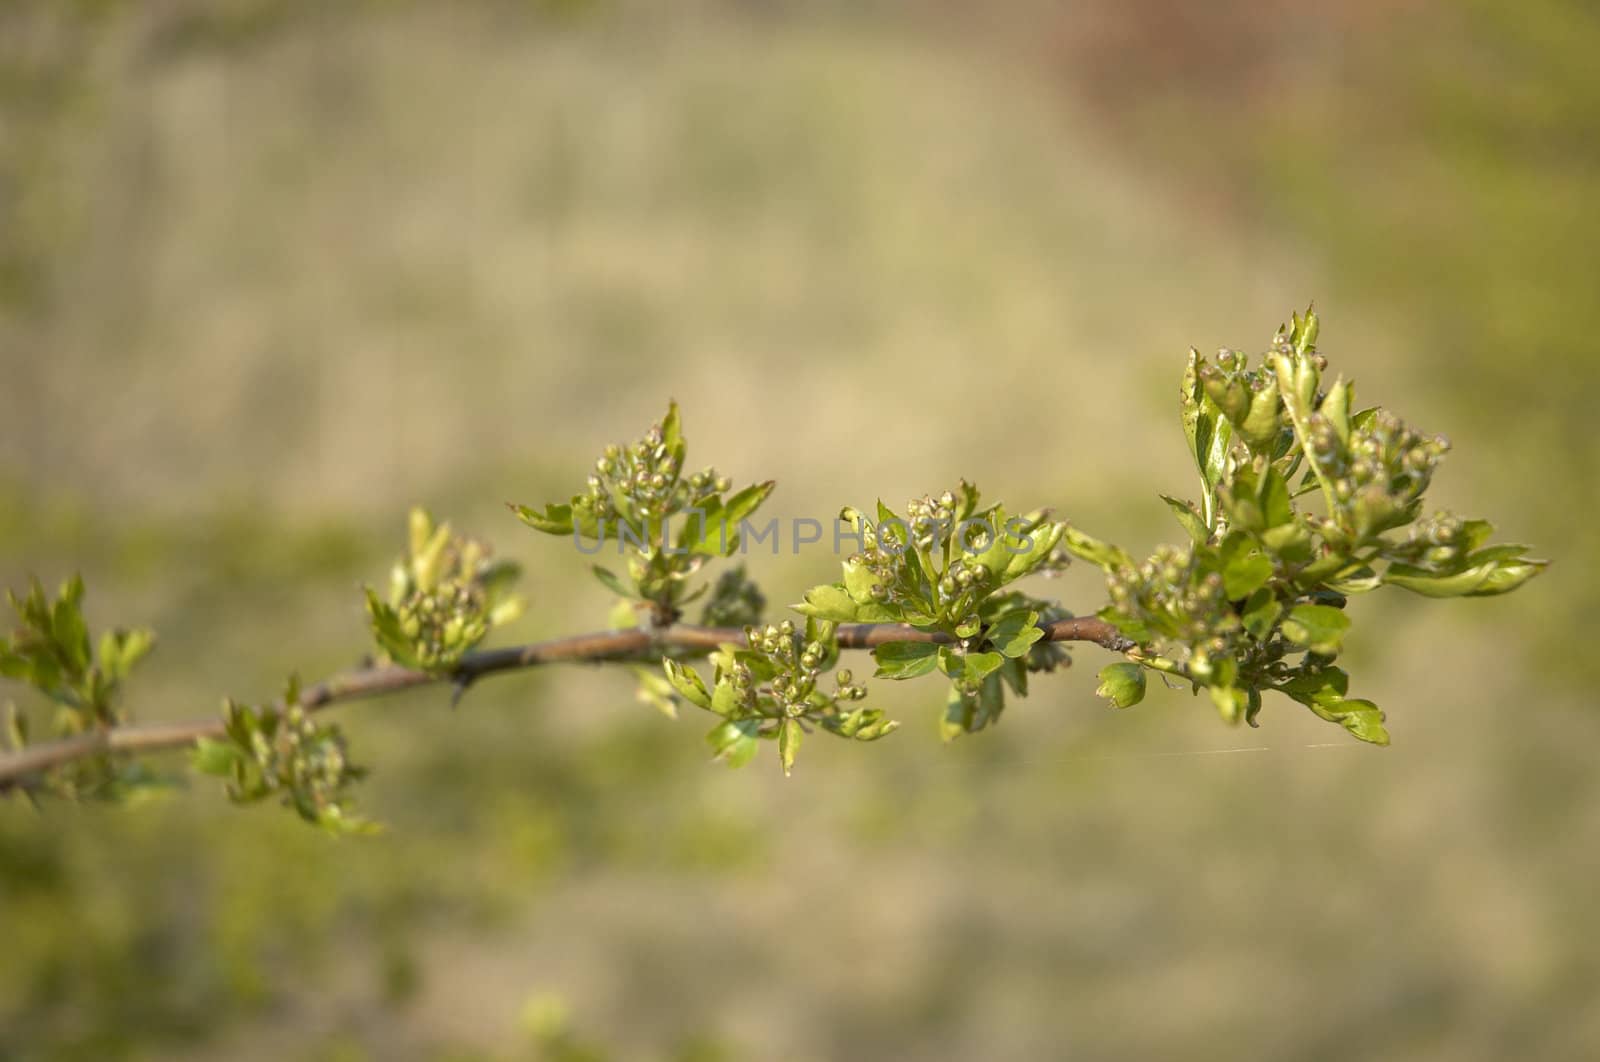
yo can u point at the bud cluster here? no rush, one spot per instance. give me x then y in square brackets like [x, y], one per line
[932, 523]
[1439, 542]
[1377, 479]
[1250, 399]
[444, 597]
[1171, 598]
[796, 665]
[286, 753]
[931, 520]
[644, 481]
[962, 575]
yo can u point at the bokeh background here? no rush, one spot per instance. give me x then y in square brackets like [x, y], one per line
[272, 272]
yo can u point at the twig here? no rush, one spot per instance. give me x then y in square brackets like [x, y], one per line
[601, 647]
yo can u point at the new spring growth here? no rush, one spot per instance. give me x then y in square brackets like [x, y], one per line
[282, 751]
[775, 687]
[1303, 502]
[1257, 600]
[82, 677]
[665, 523]
[445, 596]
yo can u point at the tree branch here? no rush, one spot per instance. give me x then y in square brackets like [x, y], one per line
[602, 647]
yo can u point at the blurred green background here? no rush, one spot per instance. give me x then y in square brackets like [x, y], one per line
[270, 273]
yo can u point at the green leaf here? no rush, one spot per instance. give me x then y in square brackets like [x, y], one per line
[1015, 674]
[980, 666]
[859, 580]
[1317, 687]
[1361, 717]
[830, 602]
[1044, 539]
[1103, 555]
[1190, 394]
[121, 650]
[1325, 697]
[1261, 613]
[1122, 684]
[1277, 508]
[968, 669]
[790, 734]
[672, 432]
[1335, 408]
[688, 683]
[1015, 632]
[715, 531]
[215, 757]
[1232, 703]
[68, 630]
[1291, 541]
[337, 821]
[967, 712]
[1188, 518]
[1354, 579]
[555, 520]
[734, 742]
[905, 660]
[746, 502]
[657, 692]
[1245, 573]
[1263, 424]
[1214, 441]
[1319, 628]
[387, 632]
[1485, 578]
[725, 697]
[614, 583]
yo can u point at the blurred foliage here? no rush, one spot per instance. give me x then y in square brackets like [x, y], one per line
[260, 259]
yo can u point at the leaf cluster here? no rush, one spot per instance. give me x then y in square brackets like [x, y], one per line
[774, 688]
[445, 596]
[633, 497]
[1255, 600]
[285, 752]
[51, 650]
[940, 569]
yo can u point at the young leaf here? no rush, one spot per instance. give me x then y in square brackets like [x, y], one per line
[980, 666]
[1188, 519]
[1122, 684]
[905, 660]
[555, 520]
[1261, 613]
[1245, 573]
[656, 691]
[215, 757]
[734, 742]
[614, 583]
[1101, 554]
[1319, 628]
[688, 683]
[789, 736]
[1014, 633]
[1483, 579]
[829, 602]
